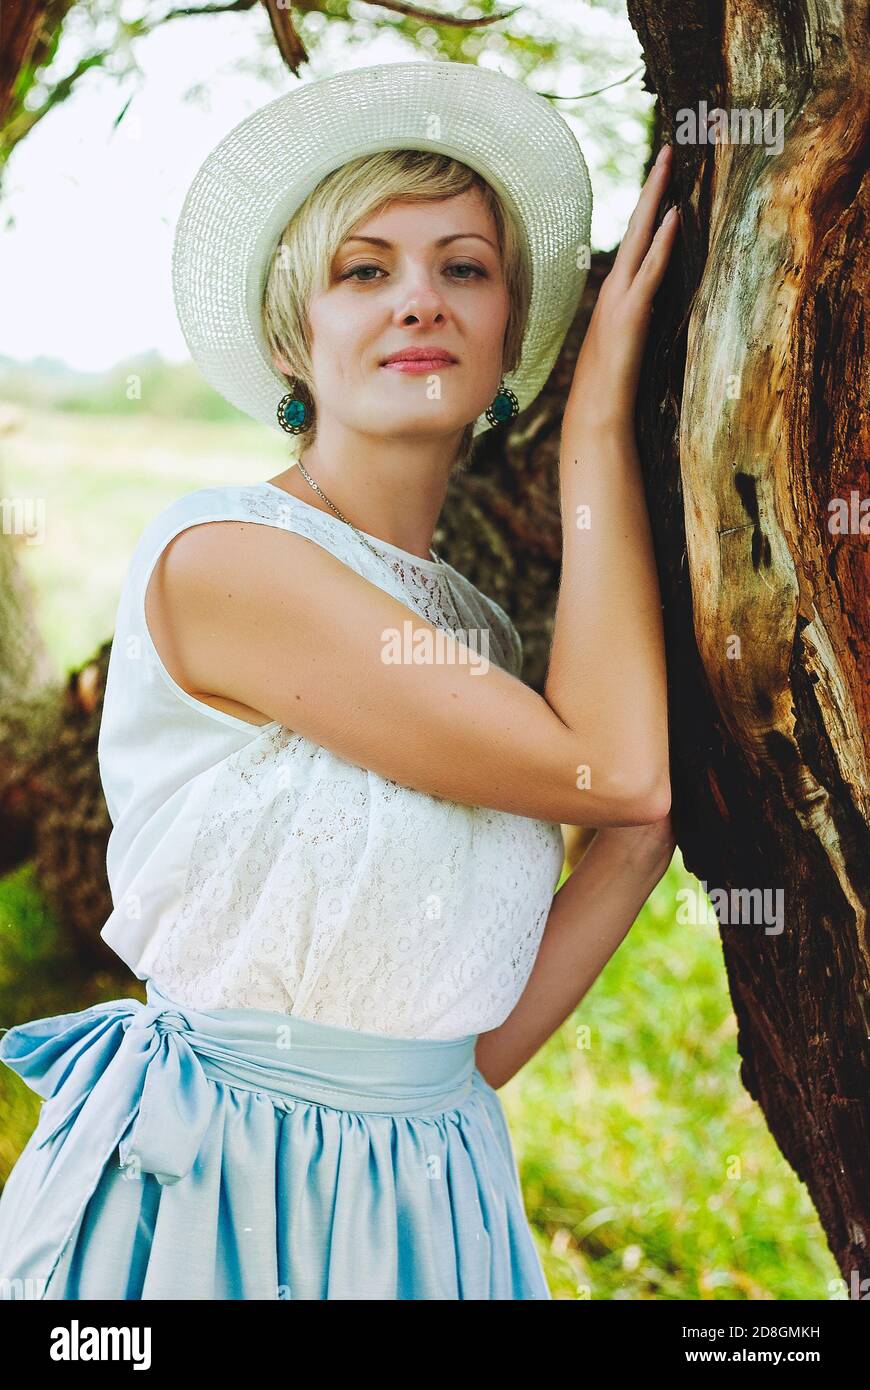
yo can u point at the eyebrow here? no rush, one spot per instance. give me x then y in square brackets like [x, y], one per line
[442, 241]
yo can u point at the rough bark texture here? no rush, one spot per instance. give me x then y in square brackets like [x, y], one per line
[52, 809]
[72, 827]
[767, 609]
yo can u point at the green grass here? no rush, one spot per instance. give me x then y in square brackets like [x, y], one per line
[40, 975]
[648, 1171]
[101, 479]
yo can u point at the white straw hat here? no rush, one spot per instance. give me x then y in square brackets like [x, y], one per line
[250, 185]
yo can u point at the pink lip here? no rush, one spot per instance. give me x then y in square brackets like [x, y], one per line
[415, 366]
[419, 359]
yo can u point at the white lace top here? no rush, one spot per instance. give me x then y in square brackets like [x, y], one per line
[251, 867]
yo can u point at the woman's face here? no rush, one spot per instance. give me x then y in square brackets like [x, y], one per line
[417, 275]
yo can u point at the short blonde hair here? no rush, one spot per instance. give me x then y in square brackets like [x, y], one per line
[300, 265]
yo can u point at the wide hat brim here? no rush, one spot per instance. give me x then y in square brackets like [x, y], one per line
[253, 181]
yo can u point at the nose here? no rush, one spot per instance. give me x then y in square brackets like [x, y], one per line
[420, 302]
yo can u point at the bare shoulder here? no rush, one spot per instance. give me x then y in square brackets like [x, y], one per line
[236, 557]
[211, 584]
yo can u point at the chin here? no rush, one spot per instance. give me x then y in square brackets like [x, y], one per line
[424, 423]
[425, 417]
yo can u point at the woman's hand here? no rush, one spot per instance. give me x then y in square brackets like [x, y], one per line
[606, 375]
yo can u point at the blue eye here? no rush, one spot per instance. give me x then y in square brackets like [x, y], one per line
[349, 275]
[464, 265]
[357, 268]
[354, 273]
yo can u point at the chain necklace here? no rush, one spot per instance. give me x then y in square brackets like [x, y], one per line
[440, 563]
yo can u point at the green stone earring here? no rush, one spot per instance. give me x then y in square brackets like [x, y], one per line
[504, 407]
[295, 410]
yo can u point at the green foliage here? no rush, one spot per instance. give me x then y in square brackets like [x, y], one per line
[40, 975]
[142, 386]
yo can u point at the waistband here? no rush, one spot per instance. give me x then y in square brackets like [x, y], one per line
[291, 1057]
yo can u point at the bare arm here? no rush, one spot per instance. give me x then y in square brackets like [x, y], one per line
[300, 637]
[607, 670]
[609, 590]
[590, 917]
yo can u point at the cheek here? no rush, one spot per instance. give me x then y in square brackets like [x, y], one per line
[490, 321]
[339, 344]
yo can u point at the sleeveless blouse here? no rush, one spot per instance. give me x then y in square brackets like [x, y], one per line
[250, 867]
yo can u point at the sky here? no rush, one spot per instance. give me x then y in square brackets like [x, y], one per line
[88, 210]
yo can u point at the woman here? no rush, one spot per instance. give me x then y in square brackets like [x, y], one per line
[335, 806]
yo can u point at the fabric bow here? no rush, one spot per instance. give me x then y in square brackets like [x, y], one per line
[117, 1075]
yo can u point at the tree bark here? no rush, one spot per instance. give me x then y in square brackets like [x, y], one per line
[751, 419]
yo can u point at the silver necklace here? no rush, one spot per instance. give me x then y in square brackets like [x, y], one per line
[439, 562]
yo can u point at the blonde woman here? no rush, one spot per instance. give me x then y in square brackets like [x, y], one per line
[336, 807]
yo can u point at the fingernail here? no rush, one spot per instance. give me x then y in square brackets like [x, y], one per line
[661, 154]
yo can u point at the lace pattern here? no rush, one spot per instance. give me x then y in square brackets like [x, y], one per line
[318, 887]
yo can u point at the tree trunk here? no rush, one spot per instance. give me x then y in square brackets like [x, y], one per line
[751, 419]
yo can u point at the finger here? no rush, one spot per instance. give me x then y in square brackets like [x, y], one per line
[655, 262]
[639, 231]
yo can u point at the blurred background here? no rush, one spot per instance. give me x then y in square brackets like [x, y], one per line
[648, 1171]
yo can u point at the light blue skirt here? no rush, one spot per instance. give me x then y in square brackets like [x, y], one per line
[246, 1154]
